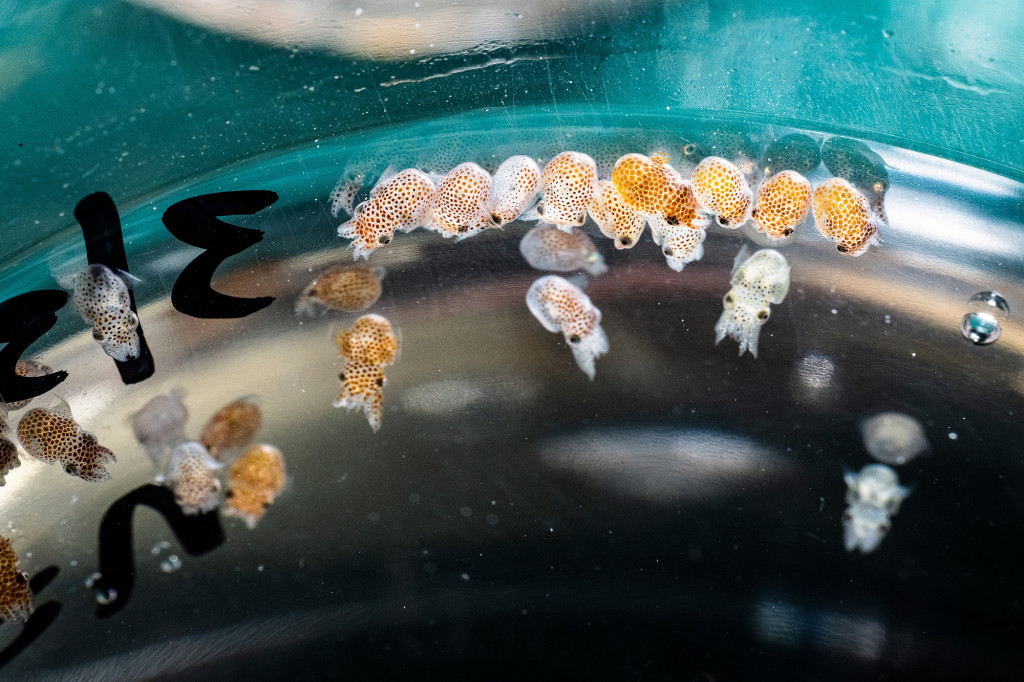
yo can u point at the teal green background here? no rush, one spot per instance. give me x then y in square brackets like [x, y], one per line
[118, 97]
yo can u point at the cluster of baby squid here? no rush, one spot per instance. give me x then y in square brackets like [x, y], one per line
[257, 474]
[641, 191]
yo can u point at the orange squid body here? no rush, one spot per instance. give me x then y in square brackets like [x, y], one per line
[783, 201]
[843, 215]
[722, 189]
[399, 203]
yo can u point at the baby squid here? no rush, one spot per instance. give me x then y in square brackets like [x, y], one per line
[102, 299]
[255, 480]
[546, 247]
[652, 188]
[160, 425]
[233, 426]
[513, 189]
[843, 215]
[614, 218]
[368, 346]
[874, 495]
[680, 245]
[349, 288]
[459, 207]
[398, 203]
[568, 184]
[722, 189]
[783, 201]
[191, 474]
[756, 282]
[27, 368]
[53, 436]
[562, 307]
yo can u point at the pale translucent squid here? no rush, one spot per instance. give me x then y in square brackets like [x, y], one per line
[546, 247]
[103, 300]
[874, 495]
[562, 307]
[756, 282]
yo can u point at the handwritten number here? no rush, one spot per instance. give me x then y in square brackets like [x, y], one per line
[197, 535]
[104, 245]
[195, 221]
[23, 319]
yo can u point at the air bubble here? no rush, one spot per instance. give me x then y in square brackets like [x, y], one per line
[92, 579]
[980, 329]
[170, 564]
[988, 301]
[106, 595]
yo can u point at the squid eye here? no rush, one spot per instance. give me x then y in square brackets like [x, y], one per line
[788, 231]
[762, 314]
[672, 220]
[668, 252]
[575, 338]
[380, 382]
[729, 300]
[625, 241]
[580, 219]
[497, 219]
[342, 376]
[98, 335]
[384, 239]
[723, 221]
[842, 248]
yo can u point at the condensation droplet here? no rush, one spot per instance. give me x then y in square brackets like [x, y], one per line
[980, 329]
[170, 564]
[107, 595]
[466, 511]
[988, 301]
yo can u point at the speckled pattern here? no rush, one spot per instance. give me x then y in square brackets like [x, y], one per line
[16, 599]
[255, 480]
[349, 288]
[459, 207]
[783, 201]
[843, 214]
[568, 184]
[399, 203]
[562, 307]
[722, 189]
[52, 437]
[233, 426]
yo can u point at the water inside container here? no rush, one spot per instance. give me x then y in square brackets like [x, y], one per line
[690, 513]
